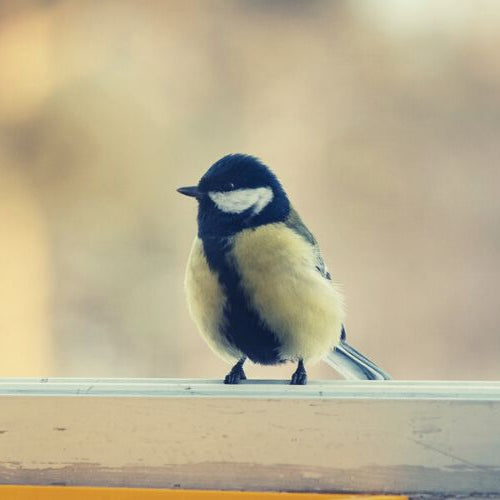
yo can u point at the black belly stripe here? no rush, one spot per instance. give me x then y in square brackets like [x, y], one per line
[243, 327]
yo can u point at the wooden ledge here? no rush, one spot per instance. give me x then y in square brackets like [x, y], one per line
[329, 436]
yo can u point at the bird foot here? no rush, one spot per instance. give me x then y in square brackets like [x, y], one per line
[236, 374]
[299, 377]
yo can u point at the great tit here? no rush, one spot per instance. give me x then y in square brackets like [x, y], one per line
[256, 283]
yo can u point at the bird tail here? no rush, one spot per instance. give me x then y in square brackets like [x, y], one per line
[351, 364]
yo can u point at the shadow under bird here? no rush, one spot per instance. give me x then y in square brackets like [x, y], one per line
[256, 283]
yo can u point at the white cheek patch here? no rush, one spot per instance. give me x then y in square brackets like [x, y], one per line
[239, 200]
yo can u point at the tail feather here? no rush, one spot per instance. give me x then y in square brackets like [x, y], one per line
[353, 365]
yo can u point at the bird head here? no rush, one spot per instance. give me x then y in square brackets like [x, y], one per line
[237, 192]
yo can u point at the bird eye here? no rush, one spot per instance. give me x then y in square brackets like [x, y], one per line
[229, 186]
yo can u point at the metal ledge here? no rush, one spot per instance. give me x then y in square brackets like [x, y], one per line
[390, 436]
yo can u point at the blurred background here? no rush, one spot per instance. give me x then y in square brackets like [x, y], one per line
[381, 117]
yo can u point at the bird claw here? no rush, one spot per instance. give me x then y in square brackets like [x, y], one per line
[299, 379]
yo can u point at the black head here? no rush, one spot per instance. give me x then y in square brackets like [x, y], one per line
[237, 192]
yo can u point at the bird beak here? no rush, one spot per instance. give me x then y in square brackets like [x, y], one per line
[190, 191]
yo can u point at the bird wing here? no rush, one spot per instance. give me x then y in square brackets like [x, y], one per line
[347, 360]
[295, 223]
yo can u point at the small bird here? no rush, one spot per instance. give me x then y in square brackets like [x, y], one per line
[256, 283]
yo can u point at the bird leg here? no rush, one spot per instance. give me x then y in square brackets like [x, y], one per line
[299, 377]
[236, 374]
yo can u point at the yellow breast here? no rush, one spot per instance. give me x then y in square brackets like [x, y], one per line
[278, 273]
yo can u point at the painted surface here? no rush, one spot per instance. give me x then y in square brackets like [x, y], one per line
[72, 493]
[205, 435]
